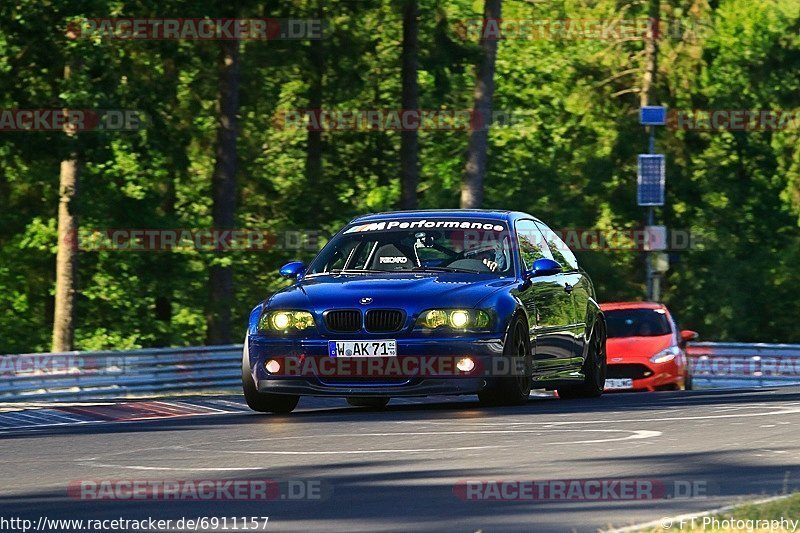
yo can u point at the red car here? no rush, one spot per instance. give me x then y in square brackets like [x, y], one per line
[645, 350]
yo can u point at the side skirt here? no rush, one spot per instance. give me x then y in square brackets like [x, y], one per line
[562, 378]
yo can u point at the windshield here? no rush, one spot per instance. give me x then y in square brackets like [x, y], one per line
[406, 245]
[637, 323]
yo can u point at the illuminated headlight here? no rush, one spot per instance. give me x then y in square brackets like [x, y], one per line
[281, 320]
[454, 318]
[459, 319]
[285, 320]
[273, 366]
[667, 355]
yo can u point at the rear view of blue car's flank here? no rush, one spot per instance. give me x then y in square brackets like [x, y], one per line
[419, 303]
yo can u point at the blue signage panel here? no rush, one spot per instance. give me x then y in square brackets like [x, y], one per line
[654, 115]
[650, 179]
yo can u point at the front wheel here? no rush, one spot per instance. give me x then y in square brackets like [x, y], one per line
[263, 402]
[594, 368]
[516, 389]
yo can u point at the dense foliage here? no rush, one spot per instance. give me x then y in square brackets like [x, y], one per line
[572, 161]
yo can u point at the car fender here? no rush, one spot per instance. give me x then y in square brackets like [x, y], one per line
[593, 316]
[505, 306]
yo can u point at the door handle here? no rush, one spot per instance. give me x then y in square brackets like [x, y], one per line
[568, 288]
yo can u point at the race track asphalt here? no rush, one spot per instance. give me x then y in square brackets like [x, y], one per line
[405, 468]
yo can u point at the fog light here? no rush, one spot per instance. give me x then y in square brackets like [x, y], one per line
[466, 364]
[272, 366]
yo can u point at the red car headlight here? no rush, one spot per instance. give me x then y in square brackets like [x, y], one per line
[667, 355]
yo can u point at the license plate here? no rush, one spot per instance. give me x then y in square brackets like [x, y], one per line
[625, 383]
[384, 348]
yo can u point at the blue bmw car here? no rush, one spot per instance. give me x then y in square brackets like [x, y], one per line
[420, 303]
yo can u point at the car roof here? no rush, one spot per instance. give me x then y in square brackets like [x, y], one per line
[611, 306]
[460, 213]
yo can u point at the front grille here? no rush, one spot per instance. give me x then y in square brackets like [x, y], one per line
[384, 320]
[629, 370]
[343, 320]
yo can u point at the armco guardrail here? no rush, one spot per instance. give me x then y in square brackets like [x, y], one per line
[119, 374]
[115, 374]
[733, 364]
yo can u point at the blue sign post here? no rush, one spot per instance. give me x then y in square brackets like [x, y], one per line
[650, 182]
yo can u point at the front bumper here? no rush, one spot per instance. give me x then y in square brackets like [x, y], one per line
[423, 387]
[485, 351]
[648, 376]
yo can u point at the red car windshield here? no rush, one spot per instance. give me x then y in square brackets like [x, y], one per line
[637, 323]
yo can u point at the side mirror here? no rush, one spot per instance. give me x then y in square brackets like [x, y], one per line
[544, 267]
[688, 335]
[293, 270]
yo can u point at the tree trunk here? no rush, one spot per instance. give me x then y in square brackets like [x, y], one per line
[165, 264]
[67, 253]
[409, 145]
[647, 96]
[472, 182]
[223, 190]
[66, 257]
[314, 137]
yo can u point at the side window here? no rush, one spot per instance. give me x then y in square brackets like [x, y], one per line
[531, 243]
[558, 248]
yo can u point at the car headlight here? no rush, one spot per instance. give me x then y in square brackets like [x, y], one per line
[454, 318]
[285, 320]
[666, 355]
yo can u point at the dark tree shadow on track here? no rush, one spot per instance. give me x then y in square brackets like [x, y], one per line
[393, 499]
[335, 411]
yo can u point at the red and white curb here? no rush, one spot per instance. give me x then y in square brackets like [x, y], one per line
[37, 415]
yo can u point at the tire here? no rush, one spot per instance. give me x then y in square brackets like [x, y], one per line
[594, 368]
[378, 402]
[513, 390]
[687, 382]
[264, 402]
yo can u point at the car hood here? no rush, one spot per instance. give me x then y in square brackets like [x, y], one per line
[412, 292]
[632, 348]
